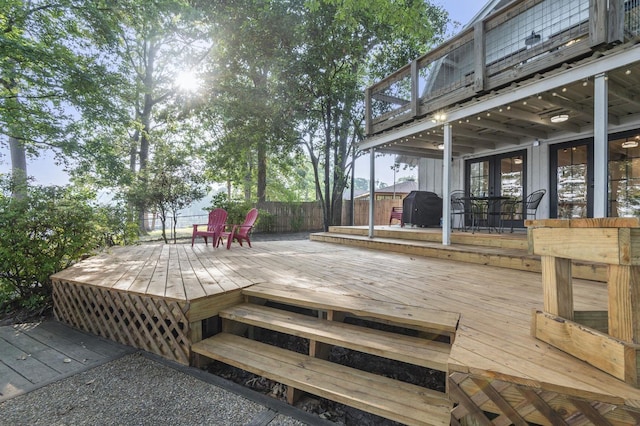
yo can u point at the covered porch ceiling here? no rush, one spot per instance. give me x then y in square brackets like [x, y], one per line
[518, 115]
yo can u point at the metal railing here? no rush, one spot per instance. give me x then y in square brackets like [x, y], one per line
[521, 39]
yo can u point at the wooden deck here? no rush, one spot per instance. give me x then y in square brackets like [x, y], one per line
[493, 345]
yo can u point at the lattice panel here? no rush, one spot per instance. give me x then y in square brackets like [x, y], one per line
[155, 325]
[482, 401]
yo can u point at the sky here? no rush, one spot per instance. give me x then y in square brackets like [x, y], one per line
[46, 172]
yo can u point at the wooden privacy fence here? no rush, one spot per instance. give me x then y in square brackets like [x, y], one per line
[381, 213]
[283, 217]
[307, 216]
[289, 217]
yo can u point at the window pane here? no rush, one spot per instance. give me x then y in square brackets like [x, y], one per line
[572, 182]
[624, 178]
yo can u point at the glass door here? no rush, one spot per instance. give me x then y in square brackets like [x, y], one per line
[502, 175]
[624, 176]
[572, 180]
[499, 175]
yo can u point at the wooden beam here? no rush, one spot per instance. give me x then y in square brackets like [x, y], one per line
[390, 99]
[415, 88]
[485, 140]
[623, 92]
[508, 128]
[605, 245]
[495, 397]
[557, 286]
[529, 117]
[543, 408]
[624, 299]
[597, 22]
[613, 356]
[615, 33]
[575, 107]
[479, 48]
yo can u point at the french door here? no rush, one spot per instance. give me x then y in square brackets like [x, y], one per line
[571, 180]
[498, 175]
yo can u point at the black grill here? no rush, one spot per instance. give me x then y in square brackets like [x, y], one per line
[422, 208]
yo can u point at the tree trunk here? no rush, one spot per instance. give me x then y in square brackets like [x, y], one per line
[145, 121]
[262, 172]
[18, 167]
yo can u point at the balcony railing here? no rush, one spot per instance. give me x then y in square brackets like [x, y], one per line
[521, 39]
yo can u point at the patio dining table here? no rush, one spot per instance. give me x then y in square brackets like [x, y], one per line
[487, 211]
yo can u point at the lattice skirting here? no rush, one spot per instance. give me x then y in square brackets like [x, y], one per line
[481, 401]
[155, 325]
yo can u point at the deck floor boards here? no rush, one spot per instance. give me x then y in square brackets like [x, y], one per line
[494, 304]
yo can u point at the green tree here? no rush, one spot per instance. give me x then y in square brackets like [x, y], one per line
[251, 107]
[52, 71]
[173, 182]
[345, 44]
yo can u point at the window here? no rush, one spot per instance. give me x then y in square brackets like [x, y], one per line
[624, 177]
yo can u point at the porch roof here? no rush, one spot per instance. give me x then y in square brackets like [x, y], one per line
[514, 113]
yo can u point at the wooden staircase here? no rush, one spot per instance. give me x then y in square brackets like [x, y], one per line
[504, 250]
[413, 336]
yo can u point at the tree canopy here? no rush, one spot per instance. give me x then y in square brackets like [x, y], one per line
[278, 98]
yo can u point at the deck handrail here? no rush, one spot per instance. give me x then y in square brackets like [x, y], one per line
[479, 60]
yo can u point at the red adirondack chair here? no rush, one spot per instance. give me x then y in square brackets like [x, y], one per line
[217, 221]
[239, 233]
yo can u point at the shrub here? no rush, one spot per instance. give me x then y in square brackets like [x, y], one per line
[44, 230]
[236, 210]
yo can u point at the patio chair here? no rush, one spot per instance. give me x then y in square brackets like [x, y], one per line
[460, 210]
[217, 221]
[396, 213]
[239, 233]
[524, 209]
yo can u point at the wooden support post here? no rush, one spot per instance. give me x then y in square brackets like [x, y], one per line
[598, 18]
[479, 59]
[415, 89]
[624, 302]
[293, 395]
[557, 286]
[319, 350]
[234, 327]
[336, 316]
[195, 332]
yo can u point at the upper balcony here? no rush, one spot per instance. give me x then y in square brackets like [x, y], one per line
[524, 38]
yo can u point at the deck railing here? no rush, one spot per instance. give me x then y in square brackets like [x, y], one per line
[521, 39]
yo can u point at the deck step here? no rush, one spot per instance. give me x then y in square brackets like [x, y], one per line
[428, 320]
[395, 400]
[412, 350]
[506, 240]
[517, 259]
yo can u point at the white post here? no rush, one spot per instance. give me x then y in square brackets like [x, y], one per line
[600, 146]
[446, 186]
[372, 187]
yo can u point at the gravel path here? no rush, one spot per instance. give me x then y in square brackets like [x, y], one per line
[140, 390]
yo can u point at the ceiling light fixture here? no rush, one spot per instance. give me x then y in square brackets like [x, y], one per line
[560, 118]
[630, 144]
[517, 160]
[441, 147]
[532, 39]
